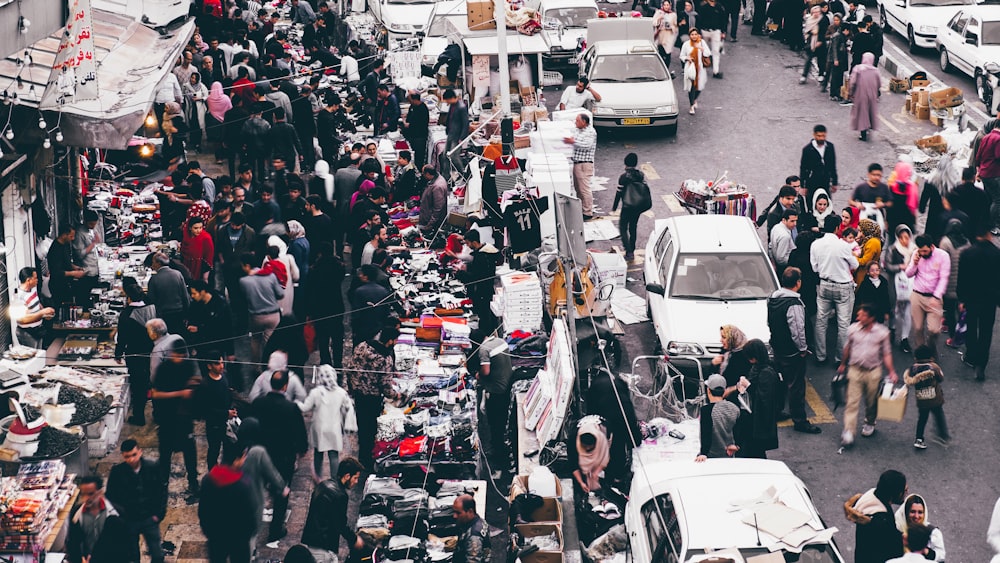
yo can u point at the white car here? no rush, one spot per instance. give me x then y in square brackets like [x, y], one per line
[402, 18]
[564, 25]
[625, 69]
[684, 511]
[969, 42]
[918, 20]
[701, 272]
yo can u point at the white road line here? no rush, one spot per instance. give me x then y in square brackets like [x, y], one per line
[908, 66]
[889, 124]
[672, 204]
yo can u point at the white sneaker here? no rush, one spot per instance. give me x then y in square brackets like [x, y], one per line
[867, 430]
[802, 80]
[847, 439]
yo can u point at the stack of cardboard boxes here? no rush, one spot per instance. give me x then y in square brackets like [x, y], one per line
[939, 105]
[480, 15]
[545, 520]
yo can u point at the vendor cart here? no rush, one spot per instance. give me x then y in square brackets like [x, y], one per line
[718, 197]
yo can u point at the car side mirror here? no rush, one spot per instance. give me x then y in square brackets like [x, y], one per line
[656, 288]
[972, 39]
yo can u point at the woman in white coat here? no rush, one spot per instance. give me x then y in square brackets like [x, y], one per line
[286, 302]
[694, 55]
[332, 414]
[665, 31]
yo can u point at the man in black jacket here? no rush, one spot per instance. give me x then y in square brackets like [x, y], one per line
[210, 320]
[479, 277]
[284, 139]
[786, 319]
[415, 127]
[327, 519]
[136, 487]
[134, 347]
[97, 533]
[284, 438]
[877, 539]
[978, 271]
[818, 164]
[226, 512]
[330, 122]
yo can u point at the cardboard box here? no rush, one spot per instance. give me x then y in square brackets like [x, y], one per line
[907, 106]
[923, 111]
[533, 530]
[892, 409]
[480, 15]
[920, 83]
[522, 142]
[946, 98]
[923, 97]
[520, 485]
[936, 118]
[934, 142]
[898, 85]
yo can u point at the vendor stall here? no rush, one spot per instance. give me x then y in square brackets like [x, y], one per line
[35, 506]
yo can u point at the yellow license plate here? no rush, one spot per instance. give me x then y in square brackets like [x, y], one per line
[635, 121]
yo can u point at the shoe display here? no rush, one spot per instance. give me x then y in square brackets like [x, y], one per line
[920, 444]
[867, 430]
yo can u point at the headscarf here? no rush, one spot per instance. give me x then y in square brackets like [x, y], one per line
[855, 215]
[904, 185]
[904, 251]
[956, 233]
[869, 230]
[902, 513]
[366, 186]
[277, 361]
[811, 26]
[733, 340]
[296, 230]
[192, 89]
[820, 217]
[593, 463]
[218, 102]
[326, 377]
[867, 61]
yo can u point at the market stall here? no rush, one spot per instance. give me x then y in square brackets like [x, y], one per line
[35, 505]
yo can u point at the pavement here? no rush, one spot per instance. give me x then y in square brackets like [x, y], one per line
[751, 125]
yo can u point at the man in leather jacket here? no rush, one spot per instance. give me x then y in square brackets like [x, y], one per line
[327, 519]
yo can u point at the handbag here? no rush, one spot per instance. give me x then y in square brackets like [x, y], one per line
[690, 72]
[706, 62]
[636, 197]
[904, 285]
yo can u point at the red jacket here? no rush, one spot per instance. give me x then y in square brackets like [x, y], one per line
[198, 253]
[988, 156]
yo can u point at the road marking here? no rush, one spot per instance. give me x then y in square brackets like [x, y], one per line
[672, 204]
[821, 413]
[649, 171]
[889, 124]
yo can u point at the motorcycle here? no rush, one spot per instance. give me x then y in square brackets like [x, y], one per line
[990, 92]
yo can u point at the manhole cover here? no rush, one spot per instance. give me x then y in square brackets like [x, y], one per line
[192, 549]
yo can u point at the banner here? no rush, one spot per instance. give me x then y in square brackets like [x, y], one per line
[74, 72]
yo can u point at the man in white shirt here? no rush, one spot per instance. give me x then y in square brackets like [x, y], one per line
[782, 243]
[578, 96]
[27, 310]
[832, 260]
[349, 69]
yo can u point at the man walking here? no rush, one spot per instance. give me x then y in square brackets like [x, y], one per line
[818, 164]
[712, 20]
[262, 294]
[930, 268]
[584, 142]
[369, 374]
[284, 437]
[832, 260]
[97, 533]
[173, 388]
[134, 348]
[868, 349]
[978, 272]
[327, 519]
[786, 319]
[988, 157]
[136, 487]
[226, 512]
[168, 292]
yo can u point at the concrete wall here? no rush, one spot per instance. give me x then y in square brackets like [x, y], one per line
[46, 17]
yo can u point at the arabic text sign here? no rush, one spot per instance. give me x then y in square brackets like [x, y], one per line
[75, 66]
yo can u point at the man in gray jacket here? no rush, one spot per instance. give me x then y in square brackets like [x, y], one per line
[786, 319]
[169, 293]
[458, 128]
[433, 202]
[262, 292]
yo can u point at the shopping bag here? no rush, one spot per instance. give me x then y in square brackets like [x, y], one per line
[690, 72]
[904, 286]
[838, 390]
[892, 403]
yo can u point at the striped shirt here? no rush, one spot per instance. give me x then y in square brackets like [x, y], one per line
[31, 304]
[584, 144]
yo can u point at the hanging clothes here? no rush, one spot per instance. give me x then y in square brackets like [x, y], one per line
[522, 218]
[502, 174]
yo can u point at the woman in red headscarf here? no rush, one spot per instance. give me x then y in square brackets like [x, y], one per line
[849, 219]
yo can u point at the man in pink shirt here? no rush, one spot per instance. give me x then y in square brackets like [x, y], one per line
[929, 267]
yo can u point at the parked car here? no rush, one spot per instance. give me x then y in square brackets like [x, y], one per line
[402, 18]
[701, 272]
[683, 511]
[564, 25]
[918, 20]
[624, 68]
[968, 42]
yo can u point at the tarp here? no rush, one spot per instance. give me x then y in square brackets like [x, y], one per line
[517, 44]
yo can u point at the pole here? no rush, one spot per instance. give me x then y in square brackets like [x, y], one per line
[500, 16]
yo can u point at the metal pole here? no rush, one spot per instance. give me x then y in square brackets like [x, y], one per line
[500, 16]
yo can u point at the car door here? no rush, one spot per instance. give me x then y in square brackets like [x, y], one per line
[970, 54]
[956, 41]
[895, 12]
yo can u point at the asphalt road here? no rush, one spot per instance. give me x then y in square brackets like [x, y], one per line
[752, 125]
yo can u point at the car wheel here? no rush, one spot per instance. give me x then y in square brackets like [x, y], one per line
[911, 40]
[984, 89]
[883, 21]
[671, 130]
[945, 61]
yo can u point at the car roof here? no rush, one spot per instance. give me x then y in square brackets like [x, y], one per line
[988, 12]
[703, 495]
[713, 234]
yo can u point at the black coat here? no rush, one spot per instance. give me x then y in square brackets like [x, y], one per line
[878, 540]
[818, 172]
[764, 398]
[327, 519]
[978, 272]
[283, 429]
[140, 495]
[226, 508]
[877, 297]
[115, 544]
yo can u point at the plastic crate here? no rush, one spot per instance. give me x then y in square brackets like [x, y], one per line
[98, 447]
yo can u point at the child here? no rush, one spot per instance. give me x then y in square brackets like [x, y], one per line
[925, 377]
[851, 238]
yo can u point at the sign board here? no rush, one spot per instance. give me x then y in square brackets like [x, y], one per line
[404, 64]
[480, 72]
[74, 72]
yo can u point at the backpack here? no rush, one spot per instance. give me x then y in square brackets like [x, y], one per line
[636, 196]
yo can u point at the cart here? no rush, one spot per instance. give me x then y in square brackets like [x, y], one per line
[722, 197]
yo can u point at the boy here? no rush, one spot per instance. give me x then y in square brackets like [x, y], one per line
[925, 377]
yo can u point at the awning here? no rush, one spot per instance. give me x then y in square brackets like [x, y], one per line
[517, 44]
[152, 13]
[132, 60]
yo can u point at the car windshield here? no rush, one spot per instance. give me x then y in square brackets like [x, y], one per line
[629, 68]
[990, 34]
[941, 2]
[722, 277]
[569, 17]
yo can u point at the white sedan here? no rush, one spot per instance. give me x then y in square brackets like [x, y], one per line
[918, 20]
[970, 41]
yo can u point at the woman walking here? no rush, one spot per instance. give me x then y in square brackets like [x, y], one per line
[865, 91]
[332, 415]
[814, 31]
[905, 198]
[696, 57]
[665, 31]
[870, 241]
[217, 104]
[195, 95]
[897, 257]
